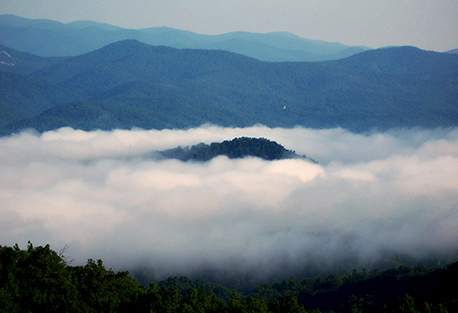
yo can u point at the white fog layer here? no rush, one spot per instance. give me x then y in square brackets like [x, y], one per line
[97, 193]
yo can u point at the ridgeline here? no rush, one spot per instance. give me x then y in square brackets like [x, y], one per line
[131, 84]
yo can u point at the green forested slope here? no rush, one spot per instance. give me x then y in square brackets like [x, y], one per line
[24, 97]
[130, 84]
[233, 149]
[24, 63]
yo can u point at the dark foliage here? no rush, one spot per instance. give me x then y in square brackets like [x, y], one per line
[40, 280]
[233, 149]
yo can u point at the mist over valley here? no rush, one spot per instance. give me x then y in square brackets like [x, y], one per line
[371, 198]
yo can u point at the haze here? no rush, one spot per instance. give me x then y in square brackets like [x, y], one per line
[97, 193]
[427, 24]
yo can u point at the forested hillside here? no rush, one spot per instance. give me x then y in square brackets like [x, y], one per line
[233, 149]
[131, 84]
[39, 279]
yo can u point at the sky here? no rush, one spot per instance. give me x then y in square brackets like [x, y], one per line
[427, 24]
[99, 194]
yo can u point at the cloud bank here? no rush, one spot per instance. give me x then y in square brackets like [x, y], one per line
[97, 193]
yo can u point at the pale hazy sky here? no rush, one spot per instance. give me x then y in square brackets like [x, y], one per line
[427, 24]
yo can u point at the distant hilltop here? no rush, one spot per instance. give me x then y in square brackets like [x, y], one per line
[233, 149]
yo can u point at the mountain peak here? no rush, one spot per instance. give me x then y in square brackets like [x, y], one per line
[401, 60]
[236, 148]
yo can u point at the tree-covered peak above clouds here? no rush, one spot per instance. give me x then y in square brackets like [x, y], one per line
[240, 147]
[51, 38]
[235, 219]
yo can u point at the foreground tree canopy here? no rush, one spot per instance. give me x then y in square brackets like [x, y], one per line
[41, 280]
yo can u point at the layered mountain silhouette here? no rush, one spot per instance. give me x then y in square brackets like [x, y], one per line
[131, 84]
[50, 38]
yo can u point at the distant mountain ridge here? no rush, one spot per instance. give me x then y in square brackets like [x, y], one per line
[131, 84]
[50, 38]
[23, 62]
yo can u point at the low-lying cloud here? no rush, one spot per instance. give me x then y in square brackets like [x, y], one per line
[99, 194]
